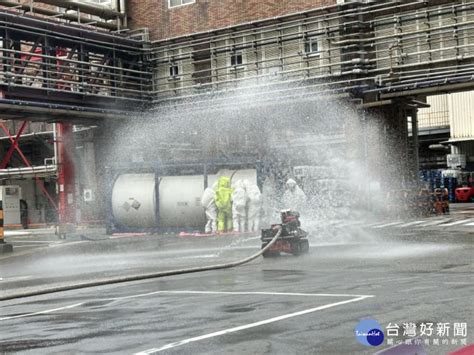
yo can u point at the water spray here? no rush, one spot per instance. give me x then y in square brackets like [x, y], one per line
[123, 279]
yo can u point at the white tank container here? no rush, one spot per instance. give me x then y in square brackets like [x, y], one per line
[134, 199]
[180, 201]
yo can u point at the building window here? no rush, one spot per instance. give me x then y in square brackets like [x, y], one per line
[311, 46]
[174, 71]
[236, 60]
[175, 3]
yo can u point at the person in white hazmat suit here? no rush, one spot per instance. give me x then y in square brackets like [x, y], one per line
[254, 209]
[239, 206]
[294, 198]
[209, 204]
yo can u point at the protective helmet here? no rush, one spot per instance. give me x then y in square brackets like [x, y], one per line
[290, 183]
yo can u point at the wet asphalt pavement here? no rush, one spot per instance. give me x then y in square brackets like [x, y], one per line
[284, 305]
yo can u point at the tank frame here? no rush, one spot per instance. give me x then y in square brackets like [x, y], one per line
[166, 169]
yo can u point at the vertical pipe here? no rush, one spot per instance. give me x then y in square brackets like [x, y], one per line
[214, 64]
[123, 9]
[414, 130]
[2, 232]
[65, 142]
[206, 177]
[55, 146]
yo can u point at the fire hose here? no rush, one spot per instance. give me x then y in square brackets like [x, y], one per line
[122, 279]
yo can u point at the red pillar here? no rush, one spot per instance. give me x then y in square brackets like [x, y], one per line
[66, 185]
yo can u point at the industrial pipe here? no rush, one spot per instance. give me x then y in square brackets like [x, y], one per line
[123, 279]
[47, 12]
[91, 9]
[438, 147]
[16, 173]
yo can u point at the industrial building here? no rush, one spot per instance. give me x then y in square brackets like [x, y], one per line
[76, 74]
[448, 120]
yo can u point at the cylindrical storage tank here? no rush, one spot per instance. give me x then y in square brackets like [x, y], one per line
[180, 197]
[134, 200]
[180, 201]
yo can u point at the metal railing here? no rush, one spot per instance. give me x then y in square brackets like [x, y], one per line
[363, 48]
[379, 47]
[82, 64]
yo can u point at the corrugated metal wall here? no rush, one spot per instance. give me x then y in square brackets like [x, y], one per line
[461, 115]
[437, 115]
[453, 110]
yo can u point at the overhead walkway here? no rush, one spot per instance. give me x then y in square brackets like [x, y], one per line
[56, 71]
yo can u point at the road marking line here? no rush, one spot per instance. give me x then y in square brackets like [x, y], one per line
[243, 293]
[462, 221]
[31, 241]
[16, 278]
[372, 225]
[387, 225]
[438, 221]
[248, 326]
[42, 312]
[191, 293]
[26, 246]
[67, 243]
[470, 224]
[410, 224]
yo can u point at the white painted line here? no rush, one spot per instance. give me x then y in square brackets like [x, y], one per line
[26, 246]
[410, 224]
[469, 224]
[462, 221]
[29, 232]
[16, 278]
[387, 225]
[371, 225]
[42, 312]
[67, 243]
[205, 256]
[192, 293]
[243, 293]
[438, 221]
[251, 238]
[32, 241]
[248, 326]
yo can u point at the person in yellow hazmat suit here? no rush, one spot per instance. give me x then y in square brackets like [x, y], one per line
[223, 202]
